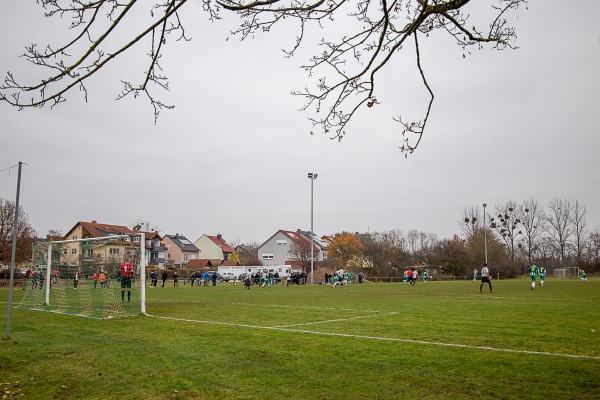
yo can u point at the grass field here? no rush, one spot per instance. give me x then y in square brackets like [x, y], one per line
[440, 340]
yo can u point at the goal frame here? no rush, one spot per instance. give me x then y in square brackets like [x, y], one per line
[110, 237]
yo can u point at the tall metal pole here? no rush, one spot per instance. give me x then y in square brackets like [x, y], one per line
[312, 178]
[12, 256]
[484, 234]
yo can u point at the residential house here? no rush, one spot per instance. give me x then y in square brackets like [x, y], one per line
[179, 250]
[213, 247]
[94, 254]
[156, 249]
[292, 248]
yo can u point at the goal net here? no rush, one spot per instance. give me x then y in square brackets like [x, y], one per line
[568, 272]
[83, 277]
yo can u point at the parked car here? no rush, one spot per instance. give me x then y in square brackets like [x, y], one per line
[242, 276]
[227, 276]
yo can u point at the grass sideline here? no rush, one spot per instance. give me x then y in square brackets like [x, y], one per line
[438, 340]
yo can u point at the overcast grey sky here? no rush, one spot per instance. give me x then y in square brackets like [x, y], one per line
[233, 156]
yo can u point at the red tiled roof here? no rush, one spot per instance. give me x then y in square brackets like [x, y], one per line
[201, 263]
[222, 244]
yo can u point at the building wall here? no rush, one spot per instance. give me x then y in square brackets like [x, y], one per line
[176, 254]
[209, 249]
[276, 247]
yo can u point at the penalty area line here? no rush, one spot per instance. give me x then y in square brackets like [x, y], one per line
[398, 340]
[333, 320]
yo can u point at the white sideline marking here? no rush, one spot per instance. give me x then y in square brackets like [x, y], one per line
[333, 320]
[347, 335]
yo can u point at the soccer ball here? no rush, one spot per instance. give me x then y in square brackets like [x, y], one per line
[109, 317]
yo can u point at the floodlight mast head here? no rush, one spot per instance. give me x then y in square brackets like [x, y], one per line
[312, 176]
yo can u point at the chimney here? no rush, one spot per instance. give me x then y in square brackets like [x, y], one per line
[94, 222]
[219, 236]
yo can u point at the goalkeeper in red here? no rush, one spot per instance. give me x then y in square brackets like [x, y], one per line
[126, 272]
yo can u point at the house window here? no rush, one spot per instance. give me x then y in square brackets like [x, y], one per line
[114, 251]
[136, 239]
[186, 257]
[282, 242]
[74, 237]
[169, 246]
[65, 252]
[73, 251]
[267, 256]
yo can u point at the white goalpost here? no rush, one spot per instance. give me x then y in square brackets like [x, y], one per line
[567, 272]
[82, 277]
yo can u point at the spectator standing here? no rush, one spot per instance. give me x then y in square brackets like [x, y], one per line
[164, 277]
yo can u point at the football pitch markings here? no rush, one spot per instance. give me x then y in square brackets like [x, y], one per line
[288, 328]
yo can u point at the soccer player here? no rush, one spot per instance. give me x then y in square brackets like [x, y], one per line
[126, 270]
[474, 274]
[485, 278]
[424, 275]
[533, 272]
[583, 275]
[542, 273]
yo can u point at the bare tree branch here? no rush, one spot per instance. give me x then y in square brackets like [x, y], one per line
[343, 77]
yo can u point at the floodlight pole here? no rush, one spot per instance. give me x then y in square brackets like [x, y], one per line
[484, 235]
[312, 178]
[13, 253]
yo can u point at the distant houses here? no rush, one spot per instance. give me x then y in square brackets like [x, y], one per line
[284, 247]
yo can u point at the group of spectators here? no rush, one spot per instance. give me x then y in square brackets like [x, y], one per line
[199, 278]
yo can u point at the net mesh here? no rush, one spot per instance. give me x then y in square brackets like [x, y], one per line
[85, 278]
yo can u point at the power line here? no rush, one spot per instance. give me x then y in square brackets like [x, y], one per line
[9, 168]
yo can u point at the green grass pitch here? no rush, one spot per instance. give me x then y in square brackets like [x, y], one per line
[439, 340]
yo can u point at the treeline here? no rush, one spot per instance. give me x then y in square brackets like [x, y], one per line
[514, 235]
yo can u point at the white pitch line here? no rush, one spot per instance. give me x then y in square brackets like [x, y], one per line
[333, 320]
[347, 335]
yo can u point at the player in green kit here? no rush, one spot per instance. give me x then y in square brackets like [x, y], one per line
[533, 272]
[583, 275]
[542, 273]
[424, 276]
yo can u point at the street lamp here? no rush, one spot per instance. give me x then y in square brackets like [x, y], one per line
[484, 234]
[312, 178]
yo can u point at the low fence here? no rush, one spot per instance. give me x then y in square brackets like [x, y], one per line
[17, 283]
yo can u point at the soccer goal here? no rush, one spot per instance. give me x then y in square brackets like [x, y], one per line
[568, 272]
[83, 277]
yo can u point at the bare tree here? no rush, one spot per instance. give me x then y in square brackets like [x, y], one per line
[579, 228]
[533, 218]
[345, 72]
[300, 251]
[507, 224]
[560, 224]
[471, 222]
